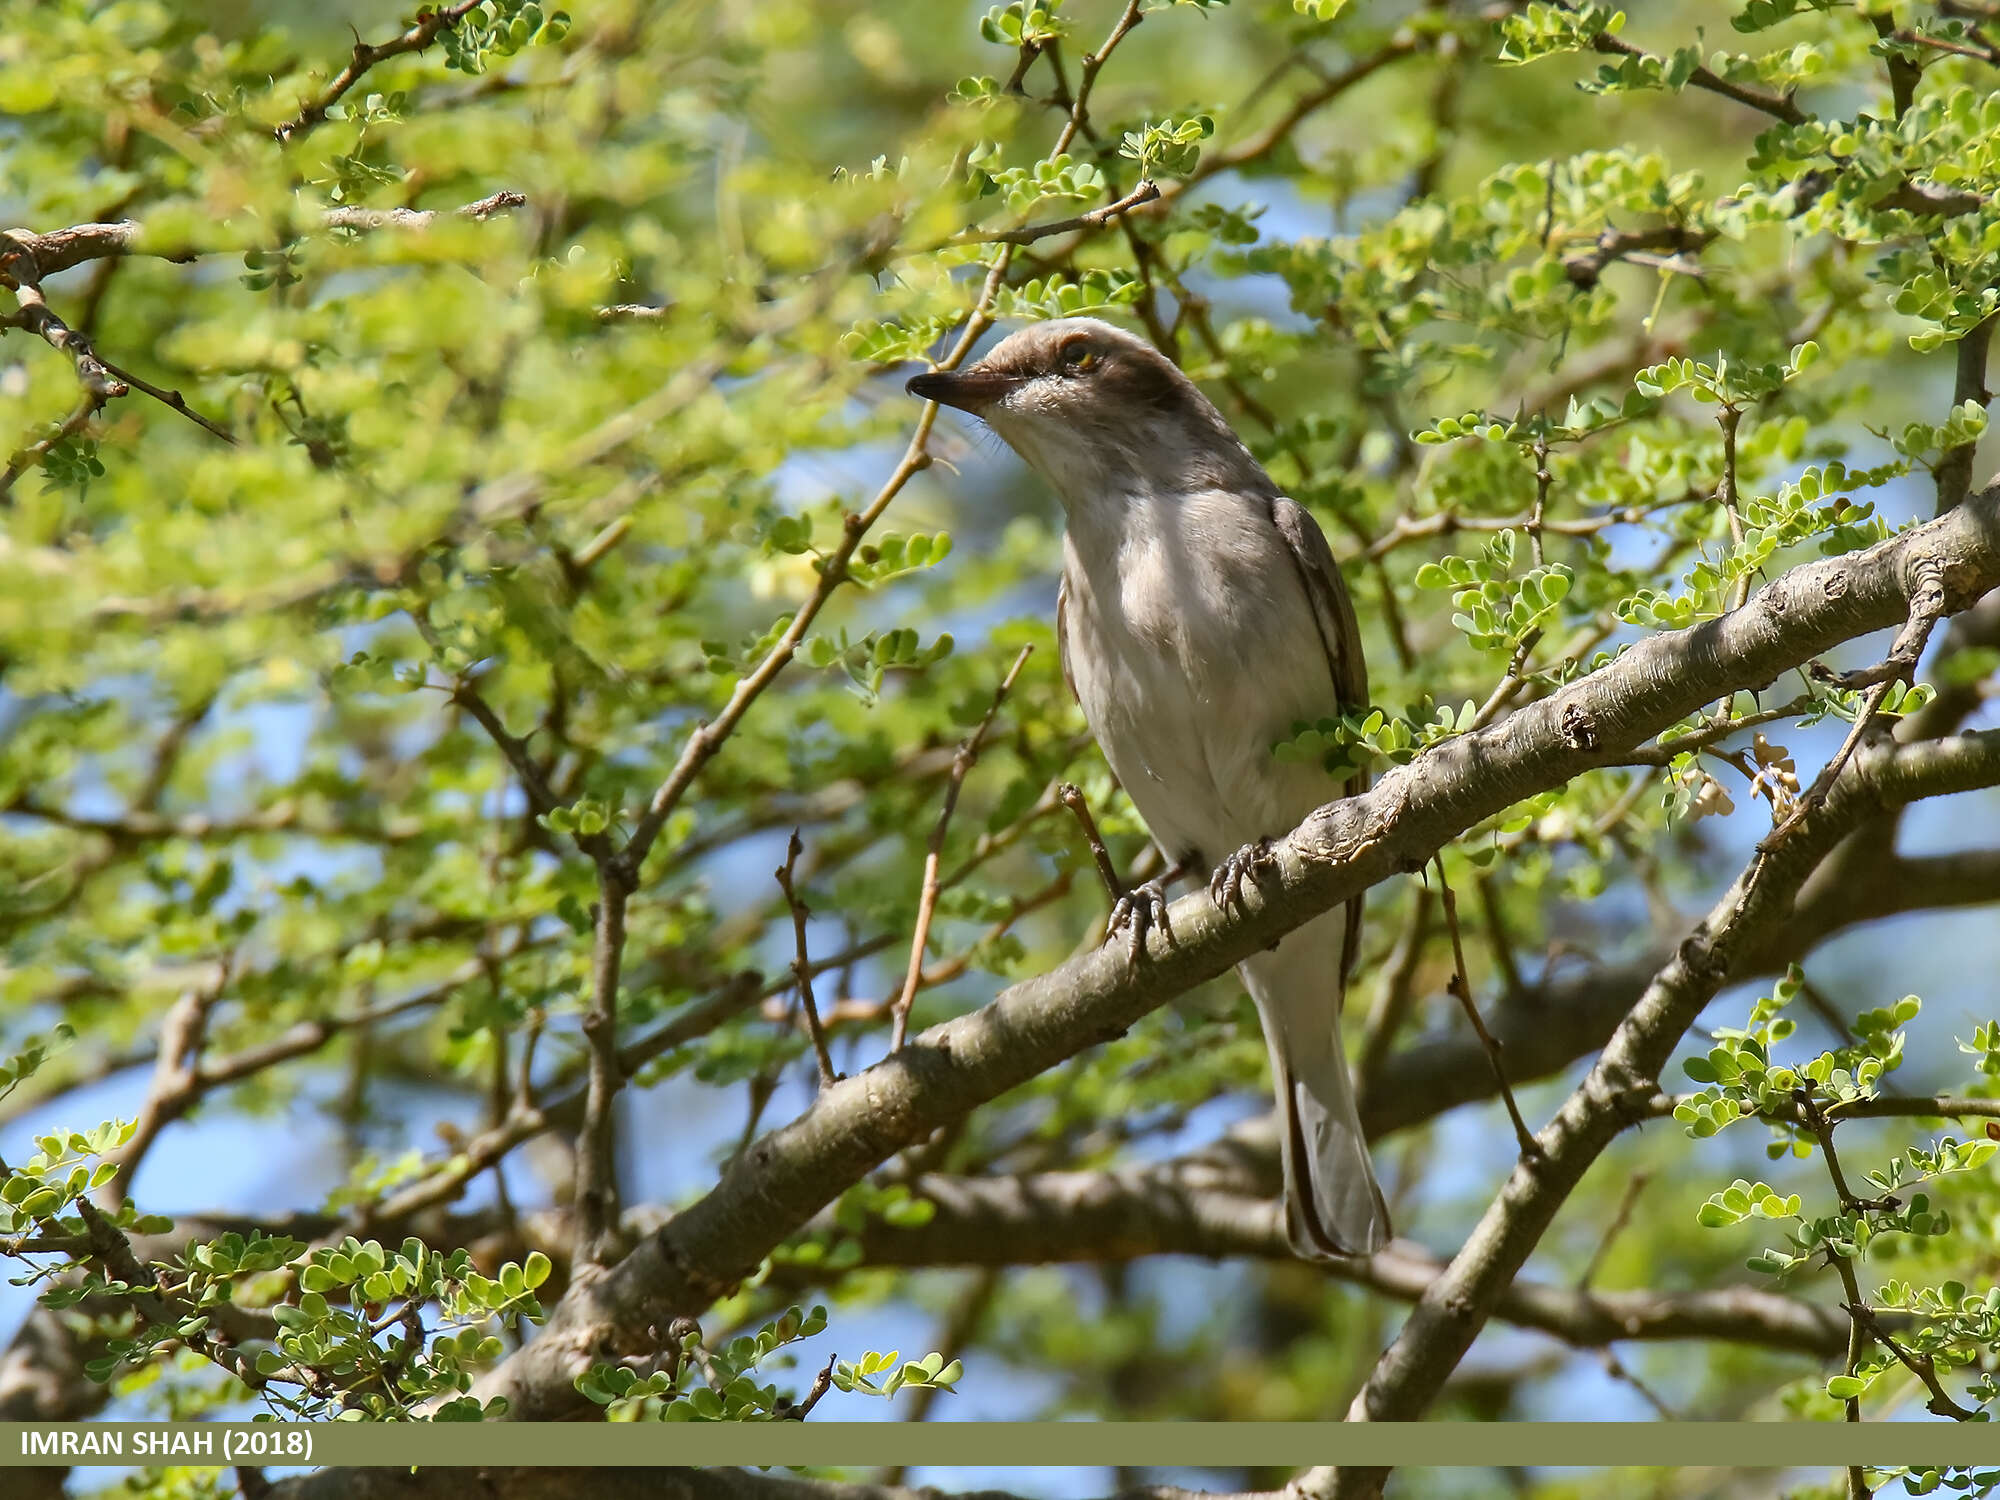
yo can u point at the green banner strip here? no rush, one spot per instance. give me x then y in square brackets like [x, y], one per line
[1007, 1444]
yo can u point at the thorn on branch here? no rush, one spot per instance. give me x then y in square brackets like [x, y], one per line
[822, 1383]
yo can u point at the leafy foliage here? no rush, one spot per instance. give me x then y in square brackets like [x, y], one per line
[380, 777]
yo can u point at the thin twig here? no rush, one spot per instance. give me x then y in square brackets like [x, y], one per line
[34, 315]
[1863, 1317]
[853, 1010]
[1461, 987]
[802, 969]
[171, 399]
[421, 33]
[1617, 1369]
[1543, 479]
[1619, 1220]
[1399, 980]
[1903, 74]
[1586, 268]
[1662, 752]
[1145, 192]
[961, 766]
[708, 739]
[822, 1383]
[1857, 1479]
[1511, 683]
[1409, 528]
[177, 1082]
[1495, 921]
[1779, 106]
[1728, 417]
[1071, 796]
[1920, 1365]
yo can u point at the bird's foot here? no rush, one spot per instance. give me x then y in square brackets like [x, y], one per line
[1138, 912]
[1225, 886]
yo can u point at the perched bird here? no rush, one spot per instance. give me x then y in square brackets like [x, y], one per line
[1201, 616]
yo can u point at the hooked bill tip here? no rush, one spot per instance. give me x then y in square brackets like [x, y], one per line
[970, 390]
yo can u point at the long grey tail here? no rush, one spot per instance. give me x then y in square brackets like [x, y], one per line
[1333, 1205]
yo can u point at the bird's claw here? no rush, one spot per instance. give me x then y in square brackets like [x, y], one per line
[1225, 886]
[1137, 913]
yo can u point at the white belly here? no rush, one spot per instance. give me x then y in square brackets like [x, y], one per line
[1194, 651]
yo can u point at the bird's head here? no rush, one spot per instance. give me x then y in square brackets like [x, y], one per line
[1096, 411]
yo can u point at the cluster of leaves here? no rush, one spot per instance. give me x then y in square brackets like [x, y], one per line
[358, 1325]
[1740, 1079]
[499, 29]
[1803, 1102]
[703, 1386]
[1357, 741]
[469, 459]
[1169, 149]
[1495, 610]
[722, 1385]
[1023, 187]
[43, 1191]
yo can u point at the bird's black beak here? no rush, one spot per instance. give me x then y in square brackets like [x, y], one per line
[970, 390]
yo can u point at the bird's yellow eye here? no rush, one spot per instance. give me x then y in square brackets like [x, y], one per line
[1078, 357]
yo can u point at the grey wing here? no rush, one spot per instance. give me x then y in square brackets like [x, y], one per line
[1340, 634]
[1062, 633]
[1333, 610]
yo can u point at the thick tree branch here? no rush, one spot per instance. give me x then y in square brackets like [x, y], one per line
[1621, 1086]
[1341, 850]
[29, 256]
[1222, 1202]
[422, 218]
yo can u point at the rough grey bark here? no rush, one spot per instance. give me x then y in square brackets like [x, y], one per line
[1338, 852]
[1624, 1080]
[1222, 1202]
